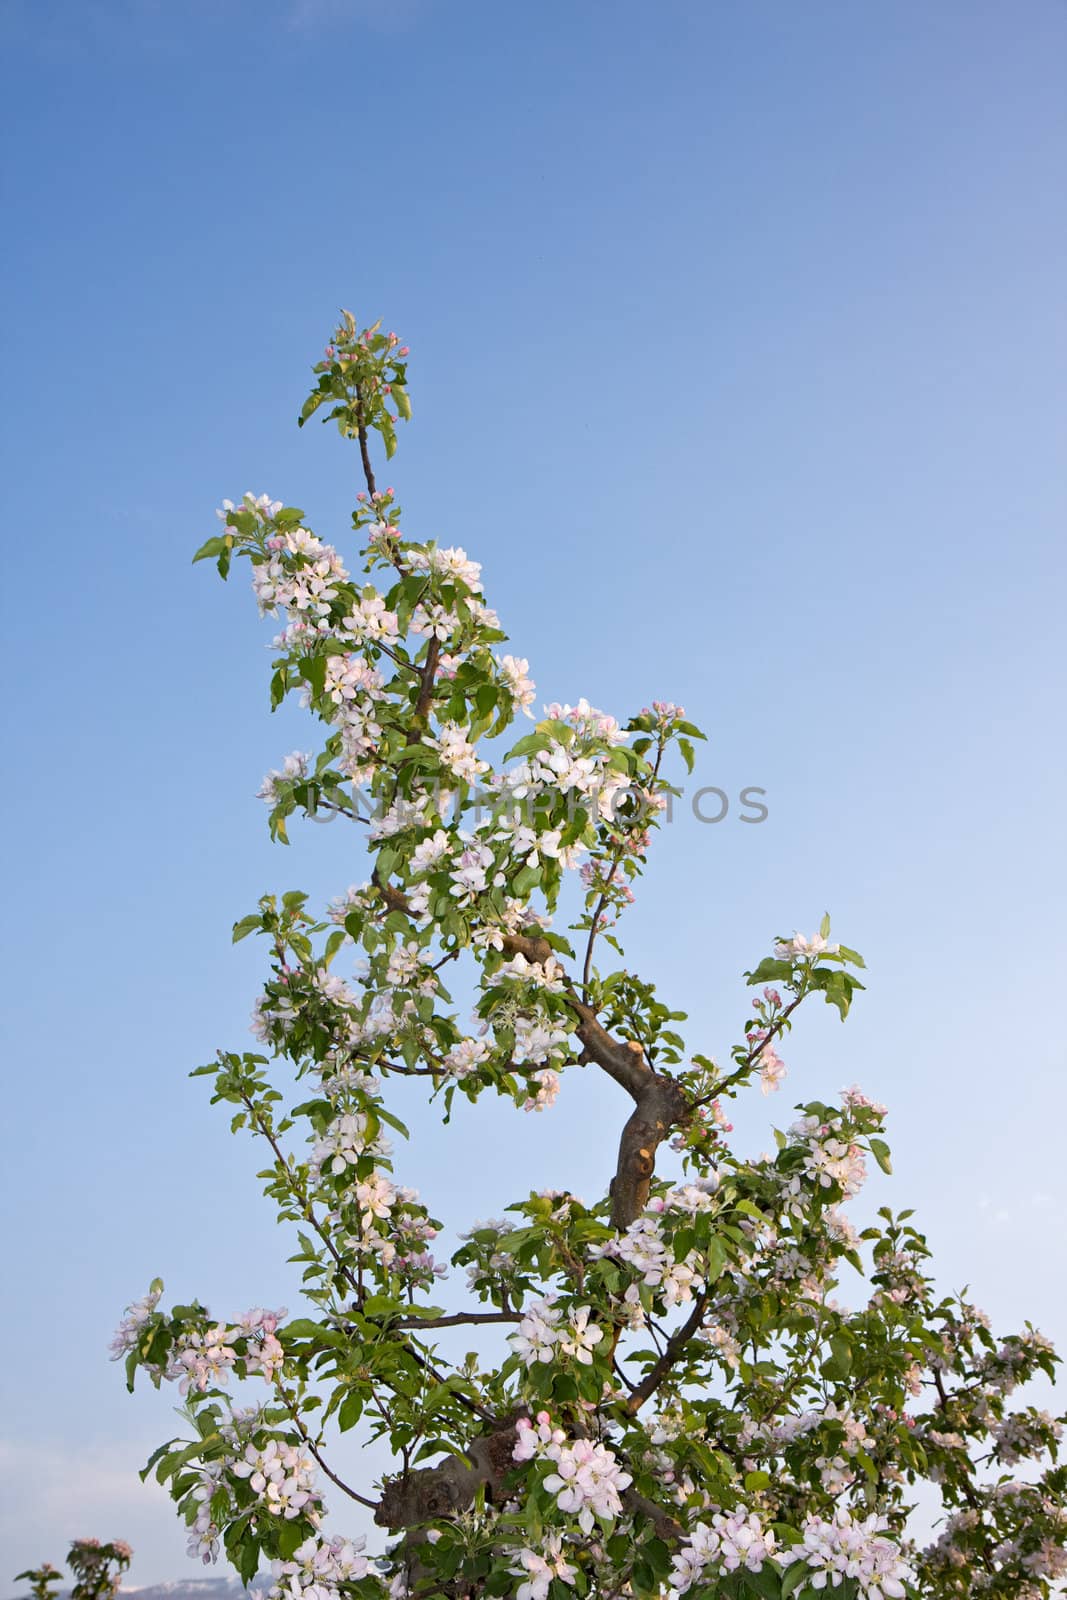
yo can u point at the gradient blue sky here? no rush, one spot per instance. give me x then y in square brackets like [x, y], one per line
[738, 359]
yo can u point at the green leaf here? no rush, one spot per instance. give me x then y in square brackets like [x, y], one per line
[526, 878]
[768, 970]
[394, 1122]
[793, 1577]
[290, 1537]
[211, 547]
[350, 1411]
[302, 1328]
[622, 759]
[156, 1455]
[880, 1152]
[380, 1305]
[313, 672]
[659, 1558]
[714, 1260]
[839, 1364]
[248, 1558]
[311, 405]
[838, 987]
[763, 1583]
[529, 745]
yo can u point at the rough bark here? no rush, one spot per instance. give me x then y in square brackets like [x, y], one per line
[674, 1347]
[661, 1106]
[667, 1527]
[449, 1488]
[622, 1060]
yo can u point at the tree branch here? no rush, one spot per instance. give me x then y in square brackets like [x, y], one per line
[675, 1345]
[364, 445]
[429, 676]
[625, 1062]
[308, 1212]
[773, 1032]
[616, 858]
[290, 1406]
[622, 1060]
[456, 1319]
[449, 1488]
[660, 1103]
[666, 1527]
[661, 1106]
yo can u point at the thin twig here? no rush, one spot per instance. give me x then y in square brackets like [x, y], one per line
[675, 1344]
[456, 1319]
[290, 1406]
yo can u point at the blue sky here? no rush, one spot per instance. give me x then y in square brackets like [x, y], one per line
[737, 359]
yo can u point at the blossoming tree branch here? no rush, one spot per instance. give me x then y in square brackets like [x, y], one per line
[97, 1569]
[683, 1406]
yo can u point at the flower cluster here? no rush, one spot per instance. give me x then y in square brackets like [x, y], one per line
[830, 1160]
[282, 1475]
[846, 1548]
[732, 1541]
[1023, 1435]
[547, 1333]
[587, 1482]
[318, 1568]
[538, 1568]
[128, 1333]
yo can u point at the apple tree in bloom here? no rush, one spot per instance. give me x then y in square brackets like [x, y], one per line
[97, 1570]
[673, 1399]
